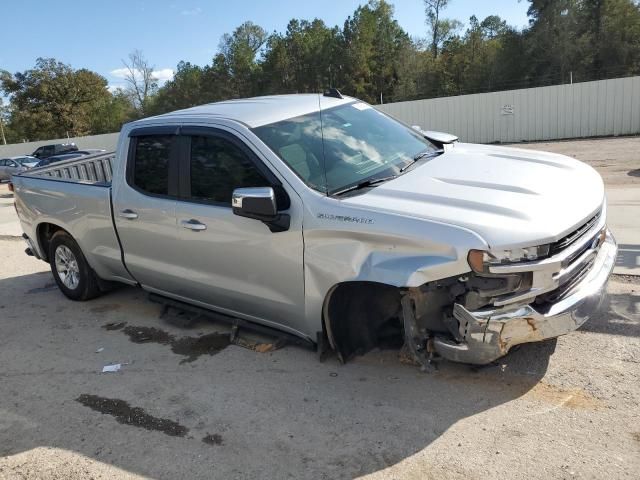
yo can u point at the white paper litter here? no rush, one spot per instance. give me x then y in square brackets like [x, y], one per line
[111, 368]
[100, 349]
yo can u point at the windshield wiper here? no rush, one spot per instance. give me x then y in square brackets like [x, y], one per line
[365, 184]
[421, 155]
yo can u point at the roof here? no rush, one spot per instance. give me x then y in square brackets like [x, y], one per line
[258, 111]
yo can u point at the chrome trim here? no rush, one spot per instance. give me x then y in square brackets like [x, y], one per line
[240, 194]
[548, 273]
[490, 334]
[193, 224]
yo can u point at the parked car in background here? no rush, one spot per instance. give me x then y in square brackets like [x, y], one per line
[12, 165]
[47, 151]
[59, 158]
[28, 161]
[91, 151]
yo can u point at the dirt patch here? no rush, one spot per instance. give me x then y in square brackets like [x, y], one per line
[104, 308]
[573, 398]
[114, 326]
[128, 415]
[190, 347]
[633, 279]
[214, 439]
[615, 159]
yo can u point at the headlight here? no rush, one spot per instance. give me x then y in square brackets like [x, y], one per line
[480, 260]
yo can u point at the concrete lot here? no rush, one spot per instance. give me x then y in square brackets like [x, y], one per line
[566, 408]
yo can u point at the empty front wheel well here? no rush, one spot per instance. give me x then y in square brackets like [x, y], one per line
[359, 316]
[44, 232]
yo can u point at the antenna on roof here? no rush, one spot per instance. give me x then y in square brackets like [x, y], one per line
[333, 93]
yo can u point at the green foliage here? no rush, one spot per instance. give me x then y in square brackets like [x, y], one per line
[370, 57]
[53, 100]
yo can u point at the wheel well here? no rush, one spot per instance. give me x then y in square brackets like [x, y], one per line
[359, 316]
[45, 231]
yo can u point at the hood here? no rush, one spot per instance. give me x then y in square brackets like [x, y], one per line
[511, 197]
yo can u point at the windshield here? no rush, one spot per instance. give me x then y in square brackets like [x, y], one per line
[343, 146]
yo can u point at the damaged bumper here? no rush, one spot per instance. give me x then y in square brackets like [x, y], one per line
[489, 334]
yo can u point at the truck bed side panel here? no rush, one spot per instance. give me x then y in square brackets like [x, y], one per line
[83, 210]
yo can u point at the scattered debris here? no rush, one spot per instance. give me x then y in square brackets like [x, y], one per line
[148, 335]
[111, 368]
[136, 416]
[406, 357]
[190, 347]
[193, 347]
[214, 439]
[258, 346]
[114, 326]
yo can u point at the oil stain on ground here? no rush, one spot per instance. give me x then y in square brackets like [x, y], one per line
[128, 415]
[47, 288]
[214, 439]
[104, 308]
[114, 326]
[190, 347]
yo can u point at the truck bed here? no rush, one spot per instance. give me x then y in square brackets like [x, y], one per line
[93, 169]
[74, 195]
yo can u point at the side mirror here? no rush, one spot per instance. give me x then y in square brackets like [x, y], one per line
[259, 203]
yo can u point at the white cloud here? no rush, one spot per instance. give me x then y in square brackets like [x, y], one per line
[191, 12]
[119, 72]
[162, 76]
[113, 88]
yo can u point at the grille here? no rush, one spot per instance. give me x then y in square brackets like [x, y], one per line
[564, 242]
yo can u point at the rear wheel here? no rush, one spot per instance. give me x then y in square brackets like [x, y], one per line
[75, 278]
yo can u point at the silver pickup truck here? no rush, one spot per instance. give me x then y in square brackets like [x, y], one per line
[322, 217]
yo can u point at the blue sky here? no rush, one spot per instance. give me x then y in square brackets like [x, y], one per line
[99, 34]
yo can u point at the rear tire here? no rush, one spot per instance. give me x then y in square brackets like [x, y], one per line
[75, 278]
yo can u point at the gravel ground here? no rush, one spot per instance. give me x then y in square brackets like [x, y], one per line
[617, 159]
[187, 405]
[557, 409]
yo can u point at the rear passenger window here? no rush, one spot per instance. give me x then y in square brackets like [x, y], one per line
[218, 167]
[151, 165]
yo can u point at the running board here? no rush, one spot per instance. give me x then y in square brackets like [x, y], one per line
[233, 321]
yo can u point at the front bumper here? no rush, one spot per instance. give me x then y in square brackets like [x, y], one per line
[489, 334]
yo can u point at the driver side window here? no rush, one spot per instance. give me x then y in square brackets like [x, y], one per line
[218, 167]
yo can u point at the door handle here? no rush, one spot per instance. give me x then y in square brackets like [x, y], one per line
[193, 225]
[128, 214]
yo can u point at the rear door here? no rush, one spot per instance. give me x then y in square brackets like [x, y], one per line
[144, 208]
[232, 263]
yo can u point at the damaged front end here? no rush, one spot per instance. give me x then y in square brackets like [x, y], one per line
[479, 317]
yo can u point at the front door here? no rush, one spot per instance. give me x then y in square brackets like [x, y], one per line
[236, 264]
